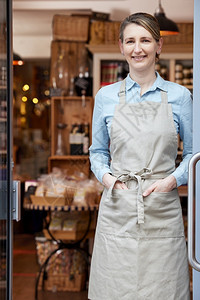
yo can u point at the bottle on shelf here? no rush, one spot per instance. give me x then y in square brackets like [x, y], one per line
[73, 72]
[60, 79]
[76, 139]
[86, 139]
[60, 143]
[83, 82]
[71, 86]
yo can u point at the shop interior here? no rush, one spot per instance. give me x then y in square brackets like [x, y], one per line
[68, 52]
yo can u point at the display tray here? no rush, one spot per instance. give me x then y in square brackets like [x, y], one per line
[48, 207]
[53, 201]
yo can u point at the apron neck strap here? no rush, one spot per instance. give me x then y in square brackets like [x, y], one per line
[164, 98]
[122, 92]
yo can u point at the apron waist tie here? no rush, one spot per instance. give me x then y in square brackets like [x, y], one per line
[138, 176]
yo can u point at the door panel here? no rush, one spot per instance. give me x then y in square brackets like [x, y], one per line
[3, 152]
[196, 144]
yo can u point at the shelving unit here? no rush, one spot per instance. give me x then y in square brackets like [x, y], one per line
[69, 110]
[172, 59]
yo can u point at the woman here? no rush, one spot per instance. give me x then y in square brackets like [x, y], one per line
[139, 250]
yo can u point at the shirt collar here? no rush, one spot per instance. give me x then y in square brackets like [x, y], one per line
[159, 83]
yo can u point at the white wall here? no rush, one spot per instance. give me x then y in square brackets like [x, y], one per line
[32, 19]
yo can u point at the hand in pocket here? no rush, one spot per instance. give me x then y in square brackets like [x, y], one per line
[162, 185]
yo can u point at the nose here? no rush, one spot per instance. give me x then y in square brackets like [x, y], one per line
[137, 47]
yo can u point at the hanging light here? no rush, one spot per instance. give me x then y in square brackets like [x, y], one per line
[167, 26]
[17, 60]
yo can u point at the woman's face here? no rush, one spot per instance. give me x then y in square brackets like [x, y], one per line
[139, 48]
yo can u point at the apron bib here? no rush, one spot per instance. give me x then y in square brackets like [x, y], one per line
[139, 249]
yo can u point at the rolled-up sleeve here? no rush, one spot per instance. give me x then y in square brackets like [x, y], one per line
[185, 131]
[99, 150]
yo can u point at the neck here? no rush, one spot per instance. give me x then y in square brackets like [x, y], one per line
[144, 80]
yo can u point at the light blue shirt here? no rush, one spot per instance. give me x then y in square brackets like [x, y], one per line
[107, 98]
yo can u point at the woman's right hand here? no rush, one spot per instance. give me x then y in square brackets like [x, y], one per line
[108, 180]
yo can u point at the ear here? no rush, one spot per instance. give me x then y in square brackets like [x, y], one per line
[121, 46]
[160, 44]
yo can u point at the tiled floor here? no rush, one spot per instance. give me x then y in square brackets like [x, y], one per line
[25, 267]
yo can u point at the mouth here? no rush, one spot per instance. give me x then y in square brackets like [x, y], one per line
[139, 58]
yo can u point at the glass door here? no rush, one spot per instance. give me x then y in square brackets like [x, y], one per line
[194, 166]
[6, 184]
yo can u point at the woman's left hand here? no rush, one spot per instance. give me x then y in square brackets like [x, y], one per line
[163, 185]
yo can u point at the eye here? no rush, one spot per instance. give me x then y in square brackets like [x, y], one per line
[146, 41]
[129, 41]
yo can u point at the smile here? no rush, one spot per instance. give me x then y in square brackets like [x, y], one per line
[139, 58]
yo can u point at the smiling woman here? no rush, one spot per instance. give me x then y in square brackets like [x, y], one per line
[139, 250]
[141, 47]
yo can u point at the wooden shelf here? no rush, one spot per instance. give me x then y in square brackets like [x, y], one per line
[70, 163]
[69, 157]
[108, 48]
[69, 110]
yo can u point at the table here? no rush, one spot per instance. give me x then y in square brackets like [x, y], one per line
[64, 240]
[183, 190]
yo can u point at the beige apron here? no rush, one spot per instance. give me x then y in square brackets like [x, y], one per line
[139, 250]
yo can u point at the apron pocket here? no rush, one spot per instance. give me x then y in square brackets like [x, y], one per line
[118, 213]
[163, 215]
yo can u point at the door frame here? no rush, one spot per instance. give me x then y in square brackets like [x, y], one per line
[196, 138]
[9, 167]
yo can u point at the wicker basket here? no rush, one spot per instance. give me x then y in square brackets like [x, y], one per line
[104, 32]
[112, 32]
[97, 33]
[66, 270]
[70, 28]
[64, 282]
